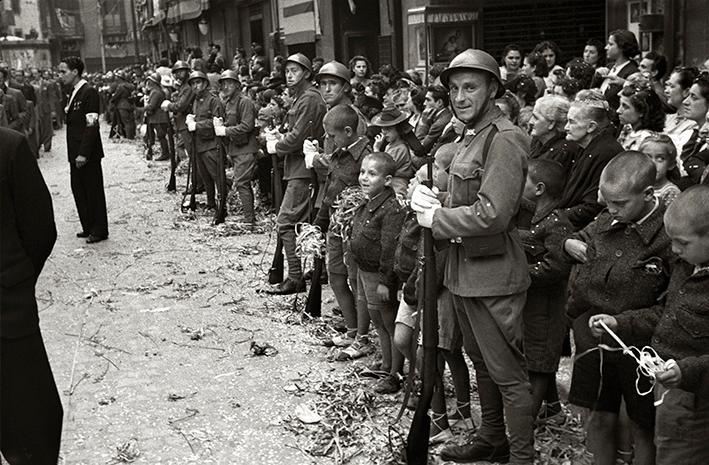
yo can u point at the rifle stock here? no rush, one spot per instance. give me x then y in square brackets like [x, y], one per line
[171, 183]
[313, 305]
[275, 273]
[220, 214]
[193, 160]
[418, 437]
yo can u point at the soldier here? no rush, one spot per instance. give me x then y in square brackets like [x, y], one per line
[156, 119]
[122, 101]
[181, 105]
[238, 128]
[44, 111]
[201, 124]
[486, 269]
[304, 120]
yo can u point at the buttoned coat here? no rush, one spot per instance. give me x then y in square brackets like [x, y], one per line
[205, 107]
[483, 200]
[240, 119]
[181, 105]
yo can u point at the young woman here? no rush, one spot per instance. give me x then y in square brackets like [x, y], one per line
[640, 113]
[552, 56]
[621, 49]
[511, 62]
[594, 54]
[535, 67]
[361, 70]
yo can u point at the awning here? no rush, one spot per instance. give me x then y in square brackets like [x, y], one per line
[155, 20]
[301, 21]
[186, 9]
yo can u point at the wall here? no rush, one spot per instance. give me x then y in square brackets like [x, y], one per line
[696, 35]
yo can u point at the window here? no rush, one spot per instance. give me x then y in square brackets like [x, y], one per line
[16, 6]
[113, 16]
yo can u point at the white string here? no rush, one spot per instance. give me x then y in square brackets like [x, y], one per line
[649, 363]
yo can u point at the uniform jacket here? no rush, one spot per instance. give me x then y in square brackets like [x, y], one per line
[375, 229]
[27, 234]
[122, 97]
[182, 106]
[542, 244]
[205, 107]
[482, 201]
[81, 138]
[580, 197]
[153, 112]
[304, 119]
[627, 268]
[240, 121]
[680, 327]
[557, 149]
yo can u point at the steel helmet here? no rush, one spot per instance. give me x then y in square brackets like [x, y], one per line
[197, 75]
[229, 74]
[334, 68]
[302, 60]
[179, 64]
[120, 74]
[474, 59]
[154, 77]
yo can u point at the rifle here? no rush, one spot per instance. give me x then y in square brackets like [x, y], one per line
[220, 214]
[313, 304]
[171, 184]
[275, 273]
[193, 161]
[417, 440]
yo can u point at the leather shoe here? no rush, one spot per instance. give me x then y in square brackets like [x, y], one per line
[82, 234]
[93, 239]
[289, 286]
[478, 450]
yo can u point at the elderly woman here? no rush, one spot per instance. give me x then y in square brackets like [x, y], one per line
[547, 130]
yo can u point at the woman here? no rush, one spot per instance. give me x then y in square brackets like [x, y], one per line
[361, 70]
[511, 62]
[547, 130]
[621, 49]
[415, 105]
[594, 54]
[535, 67]
[677, 126]
[552, 55]
[641, 115]
[693, 157]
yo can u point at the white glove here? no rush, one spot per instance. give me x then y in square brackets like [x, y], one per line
[189, 118]
[220, 131]
[217, 121]
[191, 126]
[310, 149]
[164, 105]
[309, 157]
[311, 146]
[271, 146]
[424, 199]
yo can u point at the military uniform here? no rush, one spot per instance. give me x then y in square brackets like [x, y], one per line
[157, 122]
[205, 107]
[126, 109]
[304, 120]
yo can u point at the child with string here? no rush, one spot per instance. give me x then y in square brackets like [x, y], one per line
[621, 262]
[680, 331]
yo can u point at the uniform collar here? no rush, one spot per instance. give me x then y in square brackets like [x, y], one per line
[473, 130]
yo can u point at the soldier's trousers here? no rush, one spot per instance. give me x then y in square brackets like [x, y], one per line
[159, 129]
[208, 167]
[128, 121]
[295, 208]
[244, 165]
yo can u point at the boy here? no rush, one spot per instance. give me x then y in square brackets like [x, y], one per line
[375, 228]
[544, 321]
[622, 257]
[679, 330]
[340, 125]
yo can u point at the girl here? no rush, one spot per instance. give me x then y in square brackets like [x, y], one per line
[640, 112]
[361, 70]
[552, 55]
[662, 152]
[536, 68]
[391, 140]
[511, 62]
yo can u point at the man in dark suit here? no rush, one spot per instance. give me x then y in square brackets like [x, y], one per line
[31, 409]
[85, 151]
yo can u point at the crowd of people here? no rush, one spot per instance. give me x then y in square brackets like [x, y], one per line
[563, 196]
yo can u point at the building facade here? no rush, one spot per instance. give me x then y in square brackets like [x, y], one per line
[23, 42]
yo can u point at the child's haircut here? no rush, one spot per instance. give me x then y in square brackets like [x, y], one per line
[692, 205]
[664, 141]
[631, 168]
[342, 116]
[551, 173]
[384, 162]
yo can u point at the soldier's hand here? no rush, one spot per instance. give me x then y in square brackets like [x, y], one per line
[577, 249]
[220, 131]
[424, 198]
[81, 161]
[594, 323]
[164, 105]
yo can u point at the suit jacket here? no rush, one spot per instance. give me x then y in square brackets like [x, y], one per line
[27, 234]
[81, 138]
[23, 119]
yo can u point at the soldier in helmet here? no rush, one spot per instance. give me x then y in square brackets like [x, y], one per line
[181, 104]
[121, 99]
[200, 123]
[238, 128]
[304, 120]
[156, 119]
[486, 270]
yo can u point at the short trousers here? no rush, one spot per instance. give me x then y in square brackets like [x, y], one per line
[407, 315]
[367, 282]
[603, 391]
[338, 258]
[544, 327]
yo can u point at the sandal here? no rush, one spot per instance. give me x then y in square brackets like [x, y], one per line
[361, 347]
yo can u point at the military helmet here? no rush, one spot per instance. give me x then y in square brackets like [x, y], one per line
[120, 74]
[196, 75]
[179, 65]
[154, 77]
[478, 60]
[302, 60]
[334, 68]
[229, 74]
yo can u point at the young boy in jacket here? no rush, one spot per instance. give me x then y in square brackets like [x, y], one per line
[375, 229]
[622, 260]
[680, 330]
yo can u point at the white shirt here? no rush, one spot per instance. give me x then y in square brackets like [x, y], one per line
[613, 72]
[77, 86]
